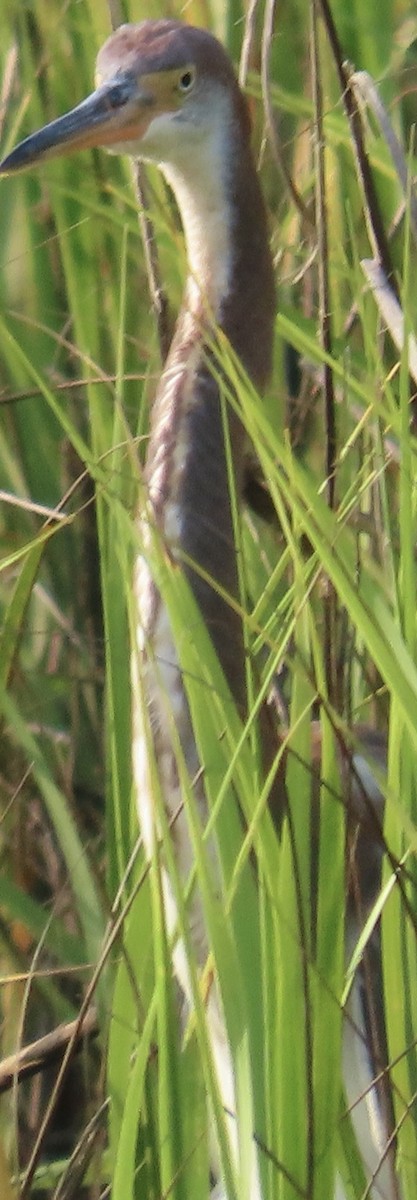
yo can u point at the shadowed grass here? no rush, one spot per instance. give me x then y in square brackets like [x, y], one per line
[74, 306]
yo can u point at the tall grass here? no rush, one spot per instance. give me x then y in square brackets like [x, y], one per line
[328, 589]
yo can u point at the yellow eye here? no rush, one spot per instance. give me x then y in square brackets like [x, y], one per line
[186, 81]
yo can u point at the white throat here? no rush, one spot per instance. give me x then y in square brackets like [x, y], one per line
[200, 189]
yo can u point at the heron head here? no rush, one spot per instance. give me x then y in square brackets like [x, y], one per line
[163, 91]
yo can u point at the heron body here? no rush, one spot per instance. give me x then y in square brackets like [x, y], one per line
[167, 93]
[188, 484]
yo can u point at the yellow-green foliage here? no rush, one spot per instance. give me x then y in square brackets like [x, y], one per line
[78, 361]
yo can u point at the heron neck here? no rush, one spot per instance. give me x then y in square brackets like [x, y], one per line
[206, 221]
[230, 283]
[230, 280]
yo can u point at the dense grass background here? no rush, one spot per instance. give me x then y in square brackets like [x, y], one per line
[329, 590]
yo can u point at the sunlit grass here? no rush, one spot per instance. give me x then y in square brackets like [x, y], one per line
[74, 306]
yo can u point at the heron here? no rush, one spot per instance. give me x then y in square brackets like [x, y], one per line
[167, 93]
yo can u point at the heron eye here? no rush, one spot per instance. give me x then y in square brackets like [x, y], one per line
[186, 81]
[117, 94]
